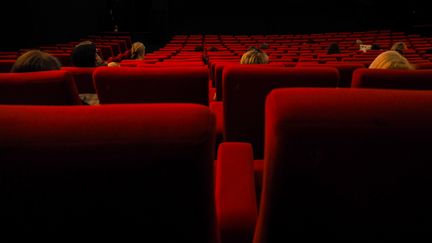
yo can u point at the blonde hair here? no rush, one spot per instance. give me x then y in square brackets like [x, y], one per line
[113, 64]
[391, 60]
[254, 56]
[137, 50]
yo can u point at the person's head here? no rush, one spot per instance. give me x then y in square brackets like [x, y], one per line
[113, 64]
[212, 48]
[391, 60]
[254, 56]
[35, 60]
[199, 48]
[333, 48]
[264, 46]
[137, 51]
[84, 55]
[375, 47]
[359, 42]
[399, 47]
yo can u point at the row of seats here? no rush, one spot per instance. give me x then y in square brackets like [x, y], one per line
[240, 115]
[340, 164]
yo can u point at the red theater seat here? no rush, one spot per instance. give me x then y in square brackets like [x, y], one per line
[6, 65]
[236, 200]
[345, 70]
[392, 79]
[38, 88]
[347, 165]
[421, 66]
[107, 173]
[83, 78]
[245, 89]
[152, 85]
[65, 59]
[218, 74]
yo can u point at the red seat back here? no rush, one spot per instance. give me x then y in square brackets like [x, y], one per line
[392, 79]
[6, 65]
[107, 173]
[152, 85]
[346, 165]
[245, 88]
[83, 78]
[346, 70]
[38, 88]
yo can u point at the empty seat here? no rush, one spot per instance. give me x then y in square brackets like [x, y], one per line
[346, 70]
[64, 58]
[245, 88]
[38, 88]
[107, 173]
[218, 72]
[392, 79]
[152, 85]
[347, 165]
[6, 65]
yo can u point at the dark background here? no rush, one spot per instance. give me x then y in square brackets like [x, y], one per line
[29, 24]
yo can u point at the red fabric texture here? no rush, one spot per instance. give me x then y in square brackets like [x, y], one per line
[422, 66]
[38, 88]
[110, 172]
[83, 77]
[245, 90]
[235, 192]
[152, 85]
[219, 72]
[346, 70]
[392, 79]
[346, 165]
[217, 108]
[6, 65]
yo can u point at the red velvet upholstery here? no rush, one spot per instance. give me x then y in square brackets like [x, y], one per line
[83, 78]
[152, 85]
[235, 192]
[219, 72]
[38, 88]
[392, 79]
[421, 66]
[245, 90]
[217, 108]
[121, 173]
[6, 65]
[65, 59]
[345, 70]
[347, 165]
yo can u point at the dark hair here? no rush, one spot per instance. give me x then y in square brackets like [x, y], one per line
[199, 48]
[333, 48]
[35, 60]
[212, 48]
[375, 47]
[264, 46]
[84, 55]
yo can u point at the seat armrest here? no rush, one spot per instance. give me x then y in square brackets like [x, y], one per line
[235, 192]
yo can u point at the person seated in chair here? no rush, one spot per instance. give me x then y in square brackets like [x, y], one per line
[391, 60]
[254, 56]
[34, 61]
